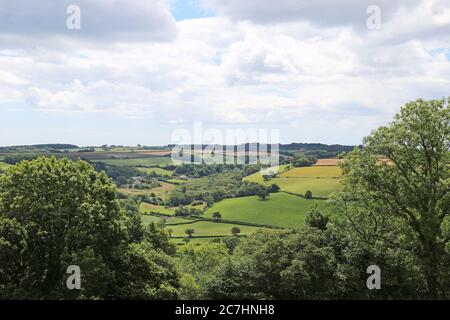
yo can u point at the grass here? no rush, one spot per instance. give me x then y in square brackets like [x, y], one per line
[148, 207]
[210, 229]
[320, 187]
[177, 181]
[320, 180]
[280, 209]
[141, 162]
[313, 172]
[198, 241]
[147, 219]
[4, 166]
[158, 171]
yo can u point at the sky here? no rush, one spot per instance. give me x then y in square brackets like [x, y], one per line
[130, 72]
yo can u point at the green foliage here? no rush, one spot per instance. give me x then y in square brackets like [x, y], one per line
[273, 188]
[57, 212]
[396, 190]
[189, 232]
[303, 160]
[315, 219]
[187, 211]
[196, 264]
[235, 231]
[308, 194]
[216, 215]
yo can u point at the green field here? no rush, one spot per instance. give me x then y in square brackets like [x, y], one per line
[321, 181]
[141, 162]
[147, 219]
[321, 187]
[313, 172]
[280, 209]
[158, 171]
[207, 229]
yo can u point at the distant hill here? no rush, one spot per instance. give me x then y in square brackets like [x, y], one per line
[40, 147]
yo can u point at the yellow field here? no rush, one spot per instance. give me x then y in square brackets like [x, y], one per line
[313, 172]
[321, 180]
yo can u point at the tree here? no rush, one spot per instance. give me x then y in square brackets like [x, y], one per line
[303, 160]
[216, 215]
[262, 193]
[396, 189]
[189, 232]
[121, 180]
[235, 231]
[273, 188]
[316, 219]
[57, 212]
[308, 194]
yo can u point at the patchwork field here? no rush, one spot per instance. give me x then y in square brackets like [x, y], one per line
[280, 209]
[320, 180]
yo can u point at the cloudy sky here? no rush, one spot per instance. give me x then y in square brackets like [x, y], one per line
[137, 70]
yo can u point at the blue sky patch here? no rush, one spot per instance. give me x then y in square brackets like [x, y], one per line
[189, 9]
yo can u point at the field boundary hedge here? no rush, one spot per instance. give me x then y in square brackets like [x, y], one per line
[198, 218]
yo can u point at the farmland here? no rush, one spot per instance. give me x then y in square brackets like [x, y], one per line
[163, 191]
[284, 209]
[140, 162]
[320, 180]
[208, 229]
[280, 209]
[155, 170]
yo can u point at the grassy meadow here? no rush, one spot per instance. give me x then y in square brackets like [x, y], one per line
[279, 209]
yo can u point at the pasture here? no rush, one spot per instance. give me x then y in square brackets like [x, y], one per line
[210, 229]
[156, 170]
[4, 166]
[148, 207]
[279, 209]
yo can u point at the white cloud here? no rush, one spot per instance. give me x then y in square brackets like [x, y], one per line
[301, 73]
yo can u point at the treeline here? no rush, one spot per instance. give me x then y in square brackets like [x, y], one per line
[203, 170]
[317, 150]
[37, 147]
